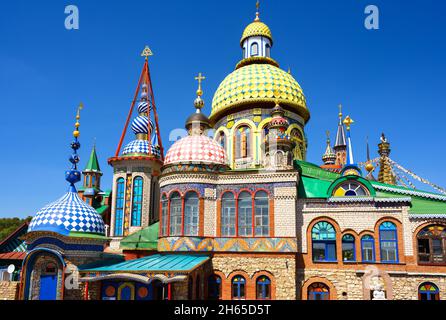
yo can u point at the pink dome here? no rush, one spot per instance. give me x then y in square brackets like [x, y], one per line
[196, 148]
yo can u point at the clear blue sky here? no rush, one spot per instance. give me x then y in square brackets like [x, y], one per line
[389, 80]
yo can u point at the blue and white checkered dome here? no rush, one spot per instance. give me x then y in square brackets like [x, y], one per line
[139, 125]
[143, 107]
[68, 214]
[141, 147]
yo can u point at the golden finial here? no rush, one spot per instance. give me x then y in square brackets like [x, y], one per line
[340, 111]
[199, 78]
[147, 52]
[257, 11]
[348, 122]
[76, 132]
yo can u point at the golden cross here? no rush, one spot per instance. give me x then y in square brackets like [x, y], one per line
[348, 122]
[199, 78]
[147, 52]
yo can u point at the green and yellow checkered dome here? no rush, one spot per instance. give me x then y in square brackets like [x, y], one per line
[259, 82]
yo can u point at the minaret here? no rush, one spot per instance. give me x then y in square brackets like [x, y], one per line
[385, 170]
[340, 147]
[257, 40]
[278, 146]
[92, 178]
[329, 157]
[135, 195]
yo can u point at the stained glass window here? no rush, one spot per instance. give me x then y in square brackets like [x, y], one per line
[261, 205]
[368, 248]
[119, 207]
[323, 235]
[348, 248]
[318, 291]
[238, 288]
[388, 242]
[191, 214]
[137, 201]
[244, 214]
[428, 291]
[350, 189]
[263, 288]
[176, 219]
[228, 215]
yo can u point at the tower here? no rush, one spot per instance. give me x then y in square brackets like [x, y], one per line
[135, 192]
[329, 157]
[340, 146]
[92, 178]
[385, 174]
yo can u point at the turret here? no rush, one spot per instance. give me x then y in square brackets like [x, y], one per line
[385, 170]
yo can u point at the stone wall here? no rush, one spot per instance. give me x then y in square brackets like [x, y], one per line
[279, 268]
[9, 290]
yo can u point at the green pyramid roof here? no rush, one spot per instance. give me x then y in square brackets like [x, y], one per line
[93, 163]
[145, 239]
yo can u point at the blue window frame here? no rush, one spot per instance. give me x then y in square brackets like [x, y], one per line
[323, 235]
[263, 288]
[348, 248]
[428, 291]
[191, 214]
[119, 207]
[214, 287]
[238, 288]
[318, 291]
[137, 201]
[388, 242]
[368, 248]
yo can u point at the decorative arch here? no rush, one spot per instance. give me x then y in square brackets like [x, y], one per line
[357, 179]
[337, 240]
[252, 127]
[126, 285]
[400, 238]
[248, 283]
[300, 149]
[367, 278]
[272, 279]
[332, 289]
[427, 237]
[428, 290]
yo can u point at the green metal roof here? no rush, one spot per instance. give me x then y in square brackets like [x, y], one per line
[93, 163]
[154, 263]
[145, 239]
[426, 206]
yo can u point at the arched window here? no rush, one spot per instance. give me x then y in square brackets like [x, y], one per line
[228, 215]
[137, 201]
[428, 291]
[242, 142]
[431, 245]
[221, 139]
[214, 287]
[261, 218]
[263, 288]
[368, 248]
[318, 291]
[323, 235]
[388, 242]
[254, 49]
[244, 214]
[238, 287]
[348, 248]
[119, 207]
[191, 214]
[350, 189]
[164, 215]
[176, 220]
[268, 50]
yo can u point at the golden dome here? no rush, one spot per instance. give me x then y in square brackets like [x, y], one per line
[257, 28]
[259, 83]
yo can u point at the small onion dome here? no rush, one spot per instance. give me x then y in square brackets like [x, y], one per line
[68, 214]
[143, 107]
[141, 147]
[198, 118]
[139, 125]
[196, 149]
[256, 28]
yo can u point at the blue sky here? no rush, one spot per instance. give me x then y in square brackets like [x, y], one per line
[389, 80]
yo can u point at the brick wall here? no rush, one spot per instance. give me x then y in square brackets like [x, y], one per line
[8, 290]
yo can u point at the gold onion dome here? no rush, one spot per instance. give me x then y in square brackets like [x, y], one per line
[256, 28]
[259, 83]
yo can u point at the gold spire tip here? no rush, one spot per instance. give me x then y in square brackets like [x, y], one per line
[257, 11]
[340, 110]
[76, 132]
[199, 78]
[146, 53]
[348, 122]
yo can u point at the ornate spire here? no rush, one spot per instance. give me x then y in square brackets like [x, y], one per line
[329, 156]
[198, 123]
[340, 134]
[257, 11]
[73, 175]
[385, 174]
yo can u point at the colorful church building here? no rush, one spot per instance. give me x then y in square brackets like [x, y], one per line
[234, 211]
